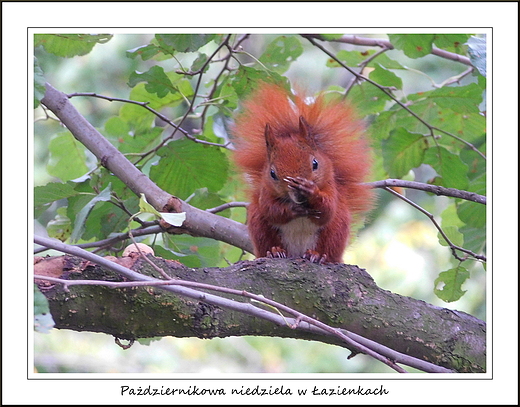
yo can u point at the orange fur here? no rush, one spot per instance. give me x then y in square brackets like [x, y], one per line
[305, 163]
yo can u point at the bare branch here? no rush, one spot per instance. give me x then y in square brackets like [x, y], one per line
[435, 189]
[453, 247]
[228, 205]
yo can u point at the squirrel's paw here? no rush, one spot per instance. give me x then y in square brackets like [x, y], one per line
[300, 189]
[276, 253]
[315, 257]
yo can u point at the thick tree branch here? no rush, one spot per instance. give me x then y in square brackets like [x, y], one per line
[172, 282]
[198, 222]
[344, 297]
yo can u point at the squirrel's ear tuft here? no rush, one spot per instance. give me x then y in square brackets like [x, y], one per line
[305, 130]
[269, 142]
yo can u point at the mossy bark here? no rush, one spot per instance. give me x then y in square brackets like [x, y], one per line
[338, 295]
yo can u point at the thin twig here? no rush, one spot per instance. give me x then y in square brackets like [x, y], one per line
[435, 189]
[453, 247]
[120, 237]
[228, 205]
[155, 112]
[199, 81]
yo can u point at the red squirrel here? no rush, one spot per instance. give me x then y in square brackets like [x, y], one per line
[305, 163]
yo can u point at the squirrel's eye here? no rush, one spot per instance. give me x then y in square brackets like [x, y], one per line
[273, 175]
[314, 164]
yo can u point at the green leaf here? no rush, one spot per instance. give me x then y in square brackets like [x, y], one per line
[349, 58]
[383, 125]
[43, 321]
[478, 184]
[478, 53]
[101, 178]
[452, 170]
[174, 219]
[461, 99]
[182, 88]
[67, 159]
[117, 127]
[368, 99]
[225, 98]
[186, 166]
[473, 214]
[246, 79]
[104, 219]
[144, 51]
[141, 141]
[451, 225]
[403, 151]
[192, 251]
[156, 81]
[385, 61]
[140, 119]
[69, 45]
[281, 52]
[384, 77]
[474, 238]
[413, 45]
[449, 216]
[53, 191]
[39, 84]
[452, 232]
[477, 167]
[145, 207]
[79, 221]
[451, 42]
[199, 63]
[203, 199]
[60, 227]
[119, 132]
[182, 42]
[448, 284]
[41, 305]
[470, 127]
